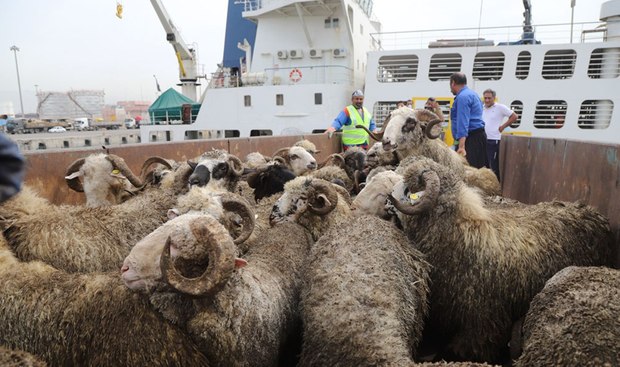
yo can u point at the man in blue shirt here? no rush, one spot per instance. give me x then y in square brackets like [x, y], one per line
[347, 119]
[467, 125]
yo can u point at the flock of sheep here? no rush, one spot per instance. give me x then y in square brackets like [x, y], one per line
[400, 256]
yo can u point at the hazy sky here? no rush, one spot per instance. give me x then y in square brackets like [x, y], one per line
[81, 44]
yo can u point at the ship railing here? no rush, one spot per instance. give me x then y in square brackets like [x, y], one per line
[485, 36]
[292, 75]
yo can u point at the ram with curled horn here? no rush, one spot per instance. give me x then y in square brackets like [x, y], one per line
[105, 179]
[244, 310]
[468, 241]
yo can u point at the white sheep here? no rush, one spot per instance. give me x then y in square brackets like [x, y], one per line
[295, 158]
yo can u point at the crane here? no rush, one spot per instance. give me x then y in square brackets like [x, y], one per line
[186, 56]
[528, 31]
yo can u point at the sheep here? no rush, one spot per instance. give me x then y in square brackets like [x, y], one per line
[365, 287]
[102, 182]
[364, 297]
[376, 156]
[18, 358]
[487, 266]
[297, 159]
[83, 239]
[241, 317]
[216, 169]
[269, 180]
[84, 320]
[309, 146]
[313, 203]
[255, 160]
[410, 132]
[574, 320]
[372, 199]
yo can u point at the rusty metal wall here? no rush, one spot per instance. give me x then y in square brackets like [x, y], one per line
[45, 170]
[538, 169]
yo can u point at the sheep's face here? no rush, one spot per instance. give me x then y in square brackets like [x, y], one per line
[354, 160]
[301, 161]
[402, 129]
[289, 207]
[214, 174]
[293, 202]
[373, 198]
[103, 184]
[141, 270]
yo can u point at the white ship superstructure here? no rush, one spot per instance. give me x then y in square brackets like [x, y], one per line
[567, 91]
[307, 58]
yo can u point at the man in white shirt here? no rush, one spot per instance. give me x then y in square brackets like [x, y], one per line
[496, 117]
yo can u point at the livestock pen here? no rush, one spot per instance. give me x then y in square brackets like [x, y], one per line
[533, 169]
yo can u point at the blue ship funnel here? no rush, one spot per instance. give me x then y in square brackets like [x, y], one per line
[237, 28]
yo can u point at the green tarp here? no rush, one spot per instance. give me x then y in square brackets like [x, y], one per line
[169, 107]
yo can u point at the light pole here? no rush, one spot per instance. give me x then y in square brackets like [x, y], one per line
[19, 83]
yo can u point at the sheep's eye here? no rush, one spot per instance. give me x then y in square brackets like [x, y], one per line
[294, 156]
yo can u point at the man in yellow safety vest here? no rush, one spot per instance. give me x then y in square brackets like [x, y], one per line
[354, 114]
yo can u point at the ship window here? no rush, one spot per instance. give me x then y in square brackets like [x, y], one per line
[42, 146]
[318, 98]
[87, 142]
[279, 99]
[397, 68]
[604, 63]
[261, 133]
[595, 114]
[488, 66]
[559, 64]
[550, 114]
[361, 29]
[381, 110]
[523, 65]
[247, 101]
[65, 144]
[517, 107]
[123, 140]
[106, 141]
[231, 133]
[332, 23]
[444, 65]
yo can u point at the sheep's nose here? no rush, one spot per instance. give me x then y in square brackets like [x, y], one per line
[124, 269]
[312, 165]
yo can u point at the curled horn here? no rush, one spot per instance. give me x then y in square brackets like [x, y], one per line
[220, 250]
[432, 118]
[426, 202]
[337, 158]
[149, 162]
[240, 207]
[429, 129]
[119, 163]
[74, 183]
[377, 136]
[235, 164]
[324, 198]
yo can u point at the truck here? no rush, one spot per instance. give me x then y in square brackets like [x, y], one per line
[130, 123]
[88, 124]
[31, 126]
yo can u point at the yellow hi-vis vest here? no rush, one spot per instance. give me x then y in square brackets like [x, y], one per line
[352, 135]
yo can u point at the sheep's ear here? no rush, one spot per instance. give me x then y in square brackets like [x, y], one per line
[192, 164]
[173, 213]
[240, 263]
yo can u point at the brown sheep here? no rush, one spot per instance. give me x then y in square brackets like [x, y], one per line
[488, 265]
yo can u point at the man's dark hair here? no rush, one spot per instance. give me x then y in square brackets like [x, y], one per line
[458, 78]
